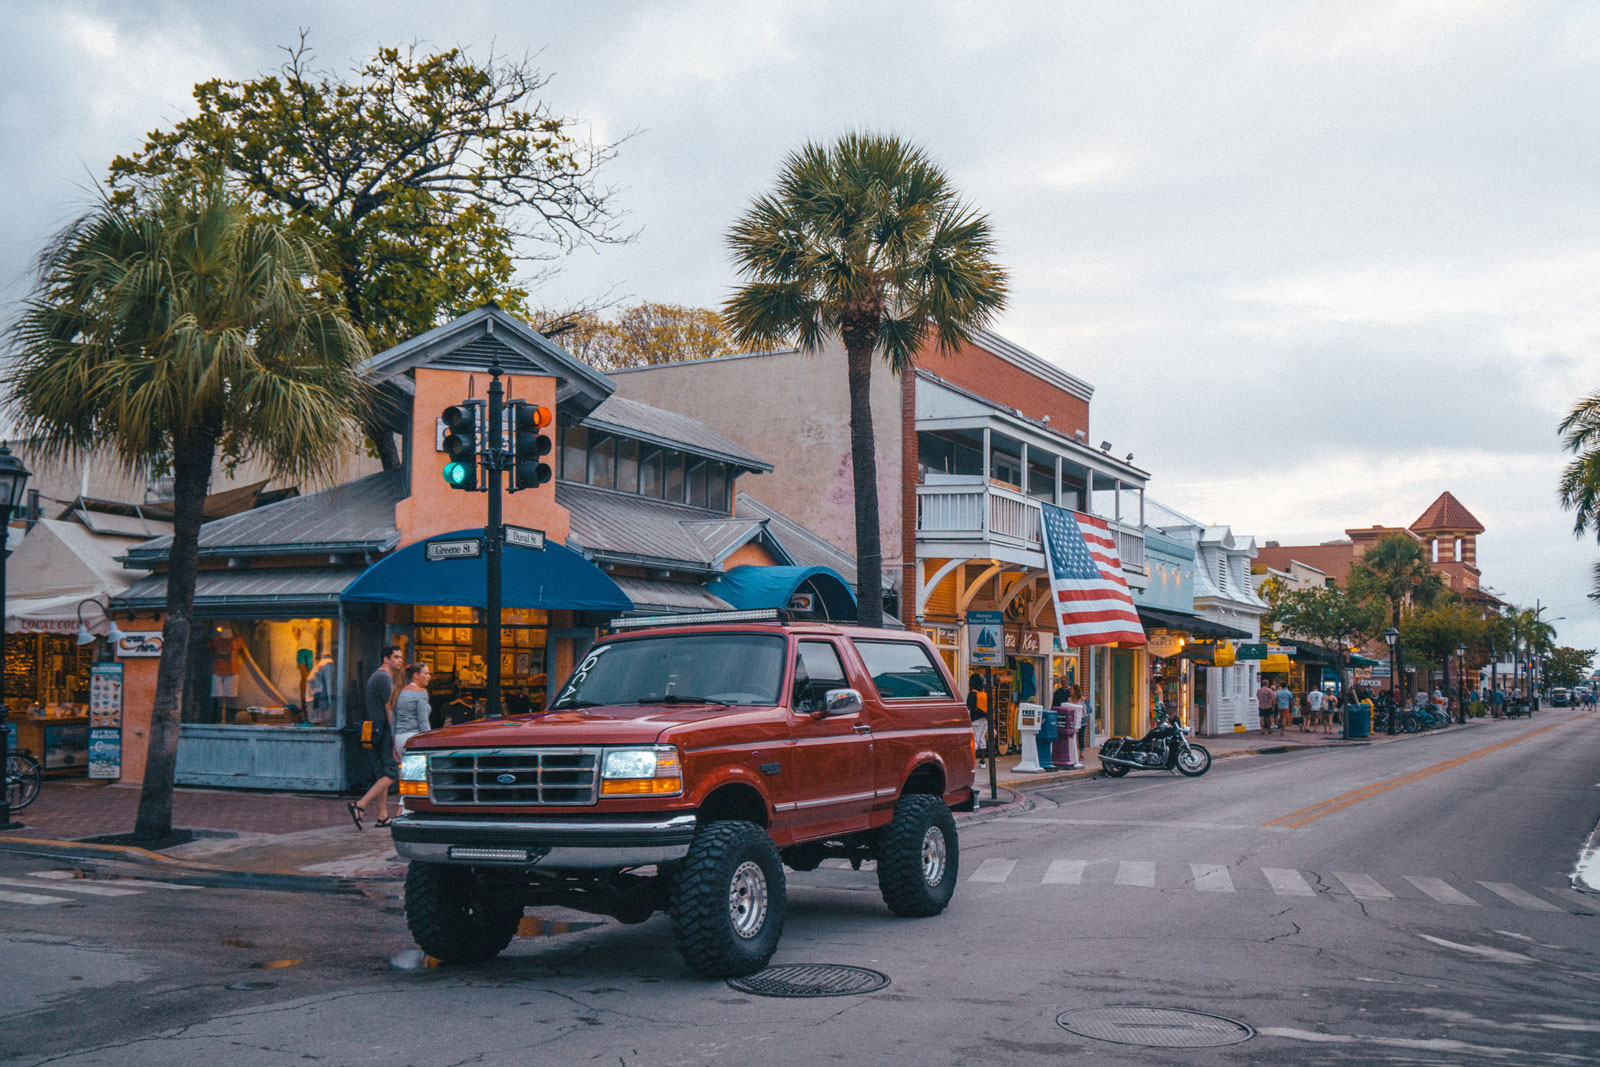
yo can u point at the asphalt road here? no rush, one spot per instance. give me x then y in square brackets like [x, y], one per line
[1399, 903]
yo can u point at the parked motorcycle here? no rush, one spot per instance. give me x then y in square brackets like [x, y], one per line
[1165, 748]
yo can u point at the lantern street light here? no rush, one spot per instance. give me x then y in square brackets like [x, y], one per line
[1392, 636]
[1461, 683]
[13, 482]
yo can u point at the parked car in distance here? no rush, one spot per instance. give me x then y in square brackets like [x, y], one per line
[1560, 698]
[678, 769]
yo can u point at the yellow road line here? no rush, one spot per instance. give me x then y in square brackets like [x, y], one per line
[1305, 816]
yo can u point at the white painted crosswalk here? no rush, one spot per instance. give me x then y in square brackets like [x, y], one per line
[1279, 881]
[51, 887]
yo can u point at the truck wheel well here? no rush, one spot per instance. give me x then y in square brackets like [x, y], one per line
[927, 779]
[734, 801]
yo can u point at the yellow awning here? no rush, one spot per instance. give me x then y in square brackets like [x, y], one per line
[1277, 662]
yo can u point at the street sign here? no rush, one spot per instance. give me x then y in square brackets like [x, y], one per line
[986, 639]
[523, 537]
[469, 548]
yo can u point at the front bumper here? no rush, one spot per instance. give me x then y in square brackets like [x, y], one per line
[549, 844]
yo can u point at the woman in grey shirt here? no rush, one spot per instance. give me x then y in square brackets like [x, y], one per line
[411, 707]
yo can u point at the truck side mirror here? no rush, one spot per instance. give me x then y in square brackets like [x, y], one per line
[841, 702]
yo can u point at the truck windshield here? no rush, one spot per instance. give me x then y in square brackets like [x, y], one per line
[741, 668]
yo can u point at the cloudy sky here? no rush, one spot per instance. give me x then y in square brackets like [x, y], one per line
[1321, 261]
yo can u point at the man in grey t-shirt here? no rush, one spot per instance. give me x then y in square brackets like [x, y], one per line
[379, 688]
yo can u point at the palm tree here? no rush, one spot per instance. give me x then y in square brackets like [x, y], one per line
[1532, 638]
[1396, 570]
[865, 239]
[1580, 479]
[167, 332]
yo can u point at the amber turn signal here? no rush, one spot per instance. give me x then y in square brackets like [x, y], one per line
[413, 789]
[637, 787]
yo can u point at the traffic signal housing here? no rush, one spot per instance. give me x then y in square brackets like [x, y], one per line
[463, 425]
[530, 444]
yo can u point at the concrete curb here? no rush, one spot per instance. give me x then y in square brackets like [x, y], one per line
[183, 872]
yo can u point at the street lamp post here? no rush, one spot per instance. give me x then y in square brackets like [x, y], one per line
[1392, 636]
[1461, 683]
[13, 482]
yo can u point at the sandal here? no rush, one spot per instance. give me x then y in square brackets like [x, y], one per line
[355, 814]
[385, 821]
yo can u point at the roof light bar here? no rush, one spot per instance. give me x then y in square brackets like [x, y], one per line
[697, 618]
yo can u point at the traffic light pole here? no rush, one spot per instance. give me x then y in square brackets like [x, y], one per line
[494, 539]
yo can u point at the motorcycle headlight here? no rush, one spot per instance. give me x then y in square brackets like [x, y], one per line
[653, 771]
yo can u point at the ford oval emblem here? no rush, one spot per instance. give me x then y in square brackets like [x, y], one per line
[505, 779]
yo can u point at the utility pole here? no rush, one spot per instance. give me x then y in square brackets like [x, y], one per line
[494, 460]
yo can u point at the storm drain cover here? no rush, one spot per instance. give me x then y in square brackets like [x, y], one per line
[1155, 1027]
[810, 980]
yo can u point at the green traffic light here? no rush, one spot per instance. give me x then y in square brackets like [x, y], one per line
[455, 474]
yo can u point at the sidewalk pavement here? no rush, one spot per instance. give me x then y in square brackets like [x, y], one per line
[312, 835]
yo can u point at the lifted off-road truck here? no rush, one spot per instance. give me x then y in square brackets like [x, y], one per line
[678, 769]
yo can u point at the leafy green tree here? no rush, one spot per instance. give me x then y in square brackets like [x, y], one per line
[1580, 479]
[1396, 571]
[169, 332]
[1329, 617]
[428, 177]
[645, 334]
[1532, 639]
[1568, 666]
[1436, 632]
[866, 240]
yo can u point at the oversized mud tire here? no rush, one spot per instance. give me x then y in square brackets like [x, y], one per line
[728, 900]
[919, 857]
[452, 915]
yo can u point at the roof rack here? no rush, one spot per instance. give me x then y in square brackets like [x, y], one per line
[700, 618]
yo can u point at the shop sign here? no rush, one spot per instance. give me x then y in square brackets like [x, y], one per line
[943, 636]
[985, 639]
[1034, 642]
[1163, 645]
[26, 625]
[1224, 655]
[105, 720]
[470, 548]
[523, 537]
[1249, 651]
[134, 645]
[1282, 650]
[803, 602]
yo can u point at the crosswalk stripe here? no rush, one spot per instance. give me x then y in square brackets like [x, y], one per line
[88, 889]
[1288, 882]
[1443, 891]
[1363, 887]
[31, 898]
[1136, 872]
[1520, 897]
[1211, 878]
[141, 883]
[993, 871]
[1572, 896]
[1064, 872]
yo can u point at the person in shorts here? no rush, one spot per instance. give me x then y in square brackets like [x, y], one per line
[978, 709]
[1265, 706]
[1283, 702]
[1316, 704]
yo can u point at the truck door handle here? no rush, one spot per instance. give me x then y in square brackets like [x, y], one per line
[863, 728]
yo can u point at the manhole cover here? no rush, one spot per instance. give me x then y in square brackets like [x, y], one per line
[810, 980]
[254, 985]
[1155, 1027]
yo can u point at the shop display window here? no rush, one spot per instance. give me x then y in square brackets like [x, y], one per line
[268, 672]
[453, 641]
[44, 670]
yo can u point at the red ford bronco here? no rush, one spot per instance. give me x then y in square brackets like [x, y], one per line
[678, 769]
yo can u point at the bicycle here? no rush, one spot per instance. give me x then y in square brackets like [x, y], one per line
[23, 779]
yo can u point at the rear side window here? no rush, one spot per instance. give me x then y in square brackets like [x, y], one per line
[902, 670]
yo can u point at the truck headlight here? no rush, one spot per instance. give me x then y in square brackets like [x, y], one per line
[653, 771]
[414, 775]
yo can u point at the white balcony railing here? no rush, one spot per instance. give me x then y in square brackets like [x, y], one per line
[990, 514]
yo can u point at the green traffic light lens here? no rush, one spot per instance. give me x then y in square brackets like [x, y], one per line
[455, 474]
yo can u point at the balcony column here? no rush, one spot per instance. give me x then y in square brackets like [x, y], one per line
[983, 501]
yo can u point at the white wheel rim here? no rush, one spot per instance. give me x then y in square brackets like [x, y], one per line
[934, 856]
[1193, 760]
[747, 899]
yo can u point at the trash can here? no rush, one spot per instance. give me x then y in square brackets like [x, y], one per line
[1358, 720]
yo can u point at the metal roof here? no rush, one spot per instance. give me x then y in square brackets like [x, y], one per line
[355, 517]
[287, 588]
[805, 548]
[651, 595]
[672, 430]
[619, 526]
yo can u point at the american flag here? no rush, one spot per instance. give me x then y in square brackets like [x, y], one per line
[1093, 606]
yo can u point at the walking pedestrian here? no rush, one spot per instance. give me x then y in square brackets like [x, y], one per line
[411, 711]
[1315, 702]
[1282, 701]
[1087, 716]
[379, 728]
[978, 709]
[1265, 706]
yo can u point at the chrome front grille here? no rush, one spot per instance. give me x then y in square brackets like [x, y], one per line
[515, 776]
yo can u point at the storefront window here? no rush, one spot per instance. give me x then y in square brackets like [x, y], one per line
[268, 672]
[453, 642]
[46, 669]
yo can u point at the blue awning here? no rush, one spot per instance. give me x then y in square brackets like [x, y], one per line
[554, 578]
[774, 587]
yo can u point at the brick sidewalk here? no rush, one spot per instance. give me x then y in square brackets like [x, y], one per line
[72, 809]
